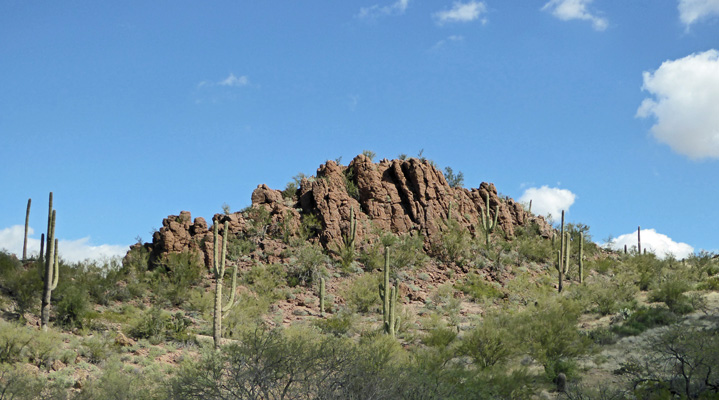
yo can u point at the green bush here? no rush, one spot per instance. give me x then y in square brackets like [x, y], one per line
[645, 318]
[119, 384]
[157, 326]
[96, 349]
[73, 307]
[475, 286]
[490, 343]
[454, 243]
[175, 274]
[266, 279]
[307, 266]
[339, 324]
[362, 294]
[671, 292]
[550, 333]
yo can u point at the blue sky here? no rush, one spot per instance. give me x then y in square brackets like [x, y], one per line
[130, 111]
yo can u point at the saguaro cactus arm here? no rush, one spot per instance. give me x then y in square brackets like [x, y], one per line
[27, 221]
[486, 223]
[52, 273]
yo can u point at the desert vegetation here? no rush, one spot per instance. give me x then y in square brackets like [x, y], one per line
[265, 305]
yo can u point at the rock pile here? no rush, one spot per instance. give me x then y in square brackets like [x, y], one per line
[400, 196]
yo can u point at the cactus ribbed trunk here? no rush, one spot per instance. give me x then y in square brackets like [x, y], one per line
[561, 245]
[581, 257]
[27, 223]
[567, 252]
[218, 268]
[322, 296]
[50, 277]
[561, 271]
[217, 323]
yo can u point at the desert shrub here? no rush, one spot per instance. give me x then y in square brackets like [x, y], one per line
[96, 349]
[259, 221]
[679, 363]
[711, 283]
[13, 339]
[361, 294]
[454, 243]
[602, 336]
[608, 297]
[73, 306]
[550, 333]
[439, 336]
[17, 383]
[339, 324]
[158, 325]
[645, 318]
[266, 279]
[535, 249]
[490, 343]
[176, 273]
[247, 314]
[118, 384]
[350, 185]
[307, 266]
[475, 286]
[671, 292]
[408, 252]
[310, 226]
[454, 180]
[646, 269]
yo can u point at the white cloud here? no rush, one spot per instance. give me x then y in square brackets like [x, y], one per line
[11, 239]
[449, 39]
[233, 80]
[685, 98]
[461, 12]
[230, 81]
[691, 11]
[575, 9]
[657, 243]
[546, 200]
[375, 11]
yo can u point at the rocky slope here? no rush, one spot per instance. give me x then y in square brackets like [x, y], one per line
[400, 196]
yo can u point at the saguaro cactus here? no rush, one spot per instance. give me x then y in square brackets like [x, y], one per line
[639, 240]
[52, 272]
[218, 269]
[486, 223]
[322, 296]
[567, 251]
[560, 270]
[581, 257]
[27, 221]
[388, 295]
[349, 239]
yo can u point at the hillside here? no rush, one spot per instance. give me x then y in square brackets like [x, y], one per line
[478, 311]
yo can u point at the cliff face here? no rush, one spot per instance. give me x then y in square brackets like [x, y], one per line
[401, 196]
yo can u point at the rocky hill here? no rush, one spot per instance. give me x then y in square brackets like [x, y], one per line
[408, 196]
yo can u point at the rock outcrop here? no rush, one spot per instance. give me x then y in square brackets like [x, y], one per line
[400, 196]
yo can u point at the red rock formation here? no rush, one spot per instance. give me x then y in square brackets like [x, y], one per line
[400, 196]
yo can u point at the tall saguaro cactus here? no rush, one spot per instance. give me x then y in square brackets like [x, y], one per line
[639, 240]
[581, 257]
[218, 269]
[322, 296]
[486, 222]
[27, 221]
[52, 271]
[561, 243]
[560, 270]
[388, 295]
[567, 251]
